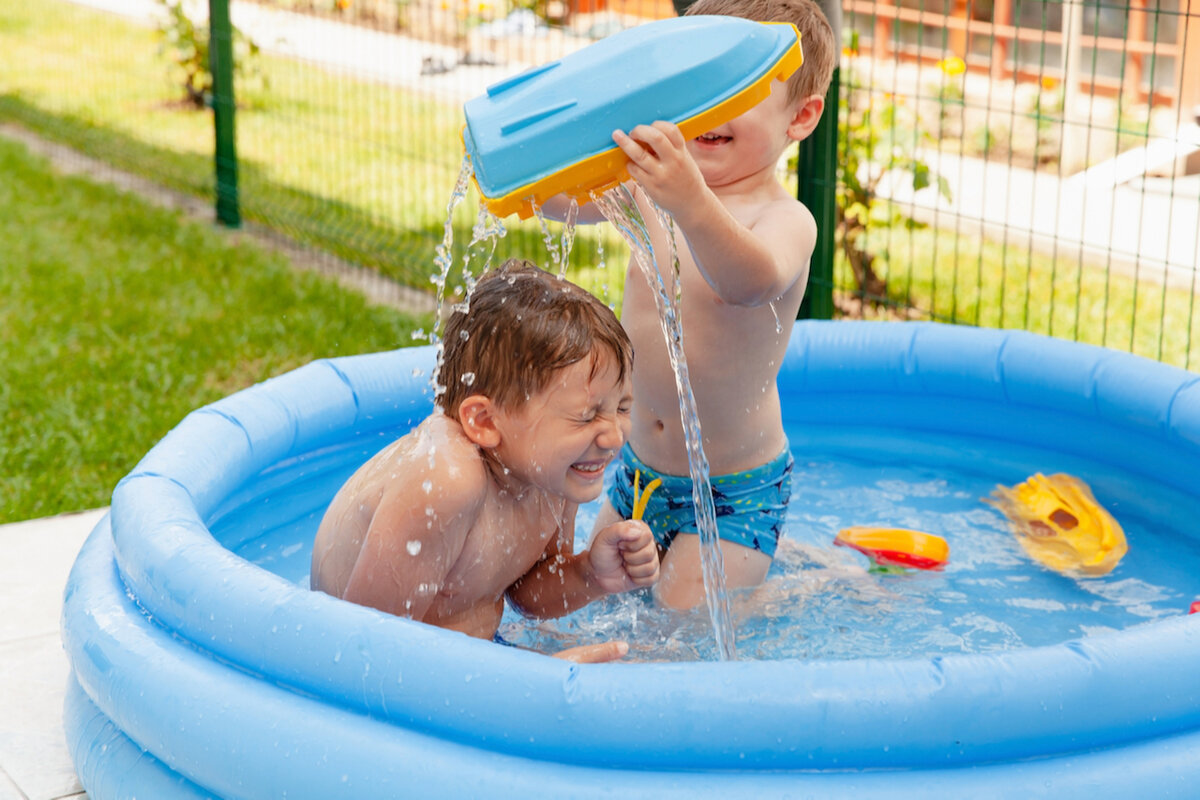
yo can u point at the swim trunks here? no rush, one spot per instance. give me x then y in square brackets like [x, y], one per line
[751, 505]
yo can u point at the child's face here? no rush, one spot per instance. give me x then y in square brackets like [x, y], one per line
[563, 437]
[746, 144]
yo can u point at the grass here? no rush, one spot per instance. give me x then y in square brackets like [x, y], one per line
[364, 170]
[974, 281]
[117, 318]
[359, 168]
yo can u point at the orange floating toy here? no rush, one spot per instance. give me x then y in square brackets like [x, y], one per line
[896, 547]
[1059, 523]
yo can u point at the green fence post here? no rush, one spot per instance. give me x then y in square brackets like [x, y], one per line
[817, 172]
[817, 185]
[220, 53]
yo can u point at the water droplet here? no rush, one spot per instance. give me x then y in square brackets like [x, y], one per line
[413, 547]
[427, 486]
[468, 378]
[417, 372]
[464, 335]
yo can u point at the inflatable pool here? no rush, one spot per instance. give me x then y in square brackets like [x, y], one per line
[203, 667]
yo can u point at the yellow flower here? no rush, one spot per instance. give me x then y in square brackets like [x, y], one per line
[1049, 82]
[850, 52]
[952, 66]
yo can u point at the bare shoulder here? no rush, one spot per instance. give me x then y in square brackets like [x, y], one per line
[444, 466]
[789, 216]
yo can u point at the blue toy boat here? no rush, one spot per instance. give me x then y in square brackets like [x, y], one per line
[548, 130]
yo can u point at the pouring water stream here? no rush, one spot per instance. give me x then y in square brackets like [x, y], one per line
[619, 208]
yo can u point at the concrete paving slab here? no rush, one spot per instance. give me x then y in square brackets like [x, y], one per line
[33, 747]
[35, 559]
[38, 555]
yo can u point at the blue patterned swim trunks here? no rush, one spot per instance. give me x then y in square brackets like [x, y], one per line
[751, 505]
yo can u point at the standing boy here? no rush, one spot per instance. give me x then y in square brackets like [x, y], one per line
[743, 275]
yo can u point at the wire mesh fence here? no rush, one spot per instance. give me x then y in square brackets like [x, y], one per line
[1025, 165]
[1004, 163]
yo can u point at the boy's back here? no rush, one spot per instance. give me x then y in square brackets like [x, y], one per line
[454, 575]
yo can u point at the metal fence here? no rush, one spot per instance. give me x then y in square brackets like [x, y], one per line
[1003, 163]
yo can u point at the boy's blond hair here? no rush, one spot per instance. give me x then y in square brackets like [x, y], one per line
[523, 325]
[817, 41]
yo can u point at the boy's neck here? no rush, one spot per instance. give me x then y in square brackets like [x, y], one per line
[507, 482]
[754, 183]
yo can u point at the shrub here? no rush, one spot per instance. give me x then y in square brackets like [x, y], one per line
[186, 45]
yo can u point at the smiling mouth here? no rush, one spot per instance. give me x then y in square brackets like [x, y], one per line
[590, 468]
[712, 138]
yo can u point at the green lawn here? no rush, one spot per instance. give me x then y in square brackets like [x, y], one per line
[973, 281]
[359, 168]
[117, 318]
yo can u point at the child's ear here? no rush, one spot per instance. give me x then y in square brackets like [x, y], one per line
[477, 416]
[808, 114]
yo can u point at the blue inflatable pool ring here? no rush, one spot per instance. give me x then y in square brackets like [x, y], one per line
[202, 666]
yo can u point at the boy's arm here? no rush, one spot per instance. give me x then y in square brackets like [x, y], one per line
[622, 557]
[744, 264]
[414, 539]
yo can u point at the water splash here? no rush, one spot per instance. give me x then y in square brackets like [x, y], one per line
[560, 250]
[568, 238]
[619, 208]
[485, 234]
[443, 255]
[775, 311]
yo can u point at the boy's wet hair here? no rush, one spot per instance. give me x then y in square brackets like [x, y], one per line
[523, 325]
[817, 41]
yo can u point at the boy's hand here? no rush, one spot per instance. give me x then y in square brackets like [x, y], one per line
[623, 557]
[660, 163]
[594, 653]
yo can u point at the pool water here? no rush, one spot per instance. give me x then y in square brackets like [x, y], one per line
[821, 602]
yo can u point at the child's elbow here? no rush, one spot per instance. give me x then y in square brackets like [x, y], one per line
[755, 294]
[524, 601]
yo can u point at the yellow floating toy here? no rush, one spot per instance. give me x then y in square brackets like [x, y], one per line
[889, 548]
[1059, 523]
